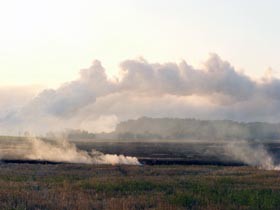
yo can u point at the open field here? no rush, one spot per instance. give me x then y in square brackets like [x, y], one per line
[77, 186]
[174, 175]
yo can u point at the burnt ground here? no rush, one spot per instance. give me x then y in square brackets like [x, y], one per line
[179, 153]
[156, 153]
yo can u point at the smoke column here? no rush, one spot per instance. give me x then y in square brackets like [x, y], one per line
[253, 155]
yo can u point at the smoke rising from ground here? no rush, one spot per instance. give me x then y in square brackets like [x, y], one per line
[62, 151]
[253, 155]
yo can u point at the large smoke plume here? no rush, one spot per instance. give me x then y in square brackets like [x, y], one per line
[216, 91]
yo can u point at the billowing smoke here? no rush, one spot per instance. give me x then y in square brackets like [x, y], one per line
[96, 103]
[61, 151]
[252, 154]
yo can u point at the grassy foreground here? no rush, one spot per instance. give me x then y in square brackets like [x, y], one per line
[72, 186]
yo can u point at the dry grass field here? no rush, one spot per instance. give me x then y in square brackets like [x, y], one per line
[78, 186]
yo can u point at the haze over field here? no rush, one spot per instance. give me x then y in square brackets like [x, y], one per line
[150, 64]
[129, 104]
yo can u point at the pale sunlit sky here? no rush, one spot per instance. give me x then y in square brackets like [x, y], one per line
[47, 42]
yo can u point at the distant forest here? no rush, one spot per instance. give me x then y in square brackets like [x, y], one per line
[174, 128]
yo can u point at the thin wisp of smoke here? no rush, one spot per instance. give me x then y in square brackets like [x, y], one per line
[64, 151]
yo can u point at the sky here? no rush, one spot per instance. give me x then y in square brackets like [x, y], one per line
[92, 64]
[46, 43]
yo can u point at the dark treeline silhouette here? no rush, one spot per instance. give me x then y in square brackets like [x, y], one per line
[174, 128]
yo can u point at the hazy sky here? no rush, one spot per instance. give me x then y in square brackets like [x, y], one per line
[47, 42]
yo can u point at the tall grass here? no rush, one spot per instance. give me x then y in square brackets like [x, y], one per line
[66, 186]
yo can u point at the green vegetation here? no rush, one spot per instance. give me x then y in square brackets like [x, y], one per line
[74, 186]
